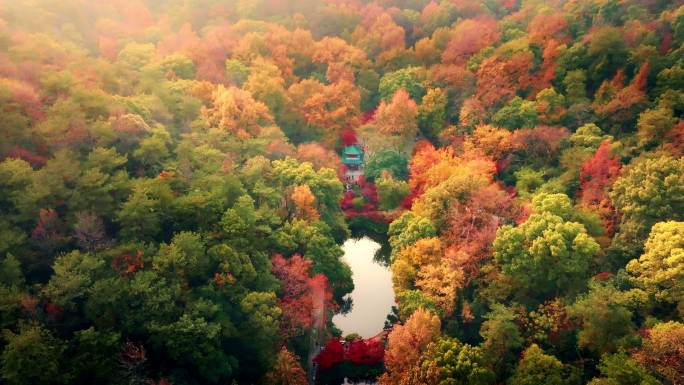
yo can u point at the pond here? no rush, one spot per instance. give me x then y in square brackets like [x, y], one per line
[373, 296]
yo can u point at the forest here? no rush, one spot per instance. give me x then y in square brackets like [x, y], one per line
[174, 194]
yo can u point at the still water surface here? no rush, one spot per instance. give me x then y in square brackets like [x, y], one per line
[373, 296]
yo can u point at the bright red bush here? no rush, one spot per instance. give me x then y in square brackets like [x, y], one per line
[331, 354]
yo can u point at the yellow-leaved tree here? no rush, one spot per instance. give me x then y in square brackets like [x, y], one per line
[660, 270]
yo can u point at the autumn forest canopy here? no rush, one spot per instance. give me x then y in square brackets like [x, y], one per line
[177, 177]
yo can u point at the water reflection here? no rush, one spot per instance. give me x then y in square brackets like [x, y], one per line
[373, 296]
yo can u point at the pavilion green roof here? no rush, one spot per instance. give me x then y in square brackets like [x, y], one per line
[352, 155]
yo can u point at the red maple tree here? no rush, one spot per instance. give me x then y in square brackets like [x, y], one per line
[331, 354]
[597, 174]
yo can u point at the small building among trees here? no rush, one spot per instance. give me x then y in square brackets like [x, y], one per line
[352, 158]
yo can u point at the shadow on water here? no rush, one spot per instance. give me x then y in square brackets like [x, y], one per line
[377, 232]
[382, 255]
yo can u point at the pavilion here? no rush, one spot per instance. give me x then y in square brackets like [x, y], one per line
[352, 158]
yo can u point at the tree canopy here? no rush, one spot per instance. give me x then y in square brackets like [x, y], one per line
[173, 195]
